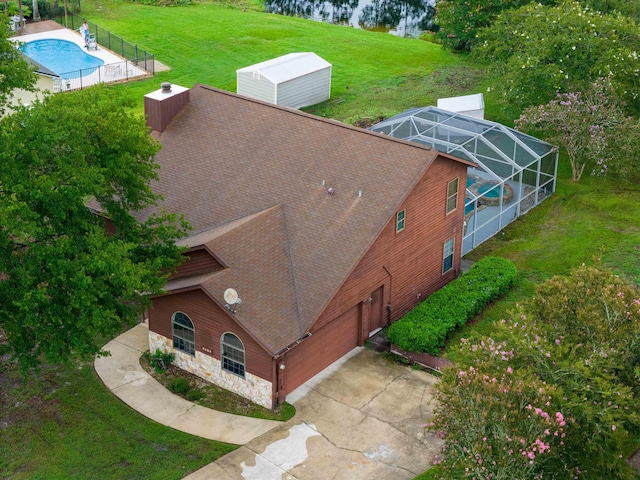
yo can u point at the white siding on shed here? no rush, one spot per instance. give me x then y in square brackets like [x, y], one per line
[295, 80]
[472, 105]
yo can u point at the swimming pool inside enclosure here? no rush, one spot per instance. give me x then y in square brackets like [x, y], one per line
[514, 172]
[62, 57]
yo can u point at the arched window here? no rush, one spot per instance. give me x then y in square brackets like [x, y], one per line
[184, 336]
[232, 354]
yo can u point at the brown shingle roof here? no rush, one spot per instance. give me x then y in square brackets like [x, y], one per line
[260, 270]
[226, 158]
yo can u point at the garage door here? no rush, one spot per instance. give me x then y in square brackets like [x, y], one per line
[323, 348]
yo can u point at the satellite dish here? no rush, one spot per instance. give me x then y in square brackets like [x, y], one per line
[230, 296]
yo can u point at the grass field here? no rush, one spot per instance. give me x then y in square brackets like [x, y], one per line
[373, 73]
[64, 424]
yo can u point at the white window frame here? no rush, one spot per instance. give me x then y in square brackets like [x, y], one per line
[232, 357]
[452, 196]
[401, 223]
[448, 254]
[182, 341]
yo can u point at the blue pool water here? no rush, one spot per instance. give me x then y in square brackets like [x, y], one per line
[62, 57]
[495, 193]
[470, 181]
[468, 208]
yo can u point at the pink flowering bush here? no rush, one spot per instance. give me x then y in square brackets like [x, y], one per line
[497, 422]
[551, 395]
[598, 315]
[584, 123]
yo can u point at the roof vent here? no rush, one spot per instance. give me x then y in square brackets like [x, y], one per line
[166, 87]
[331, 190]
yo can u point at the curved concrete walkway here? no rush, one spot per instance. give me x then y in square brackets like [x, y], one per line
[122, 374]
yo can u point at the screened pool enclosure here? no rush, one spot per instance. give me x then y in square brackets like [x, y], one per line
[514, 172]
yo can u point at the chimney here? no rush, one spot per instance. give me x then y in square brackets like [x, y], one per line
[162, 105]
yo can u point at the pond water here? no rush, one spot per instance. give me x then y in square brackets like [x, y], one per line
[404, 18]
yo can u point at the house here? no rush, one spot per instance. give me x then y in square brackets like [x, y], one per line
[46, 80]
[326, 232]
[295, 80]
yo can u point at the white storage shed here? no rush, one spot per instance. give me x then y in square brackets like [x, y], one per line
[472, 105]
[295, 80]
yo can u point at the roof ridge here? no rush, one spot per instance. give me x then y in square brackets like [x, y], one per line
[315, 117]
[294, 283]
[219, 230]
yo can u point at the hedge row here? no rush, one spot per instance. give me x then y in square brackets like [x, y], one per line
[429, 324]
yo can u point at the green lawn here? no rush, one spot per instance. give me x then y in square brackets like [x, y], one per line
[373, 73]
[64, 424]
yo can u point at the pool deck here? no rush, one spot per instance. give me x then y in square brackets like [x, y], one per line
[115, 68]
[40, 27]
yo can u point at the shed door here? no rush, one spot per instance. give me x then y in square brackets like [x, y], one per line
[324, 347]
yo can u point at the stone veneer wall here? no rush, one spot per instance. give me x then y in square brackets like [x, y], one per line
[256, 389]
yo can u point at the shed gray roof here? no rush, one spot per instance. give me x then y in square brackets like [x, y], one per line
[287, 67]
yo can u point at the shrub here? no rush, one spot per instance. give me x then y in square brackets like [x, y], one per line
[159, 360]
[427, 327]
[194, 395]
[14, 9]
[179, 385]
[553, 398]
[163, 3]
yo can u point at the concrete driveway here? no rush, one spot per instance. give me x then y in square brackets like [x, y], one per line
[363, 419]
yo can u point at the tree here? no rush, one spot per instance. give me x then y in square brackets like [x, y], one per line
[553, 394]
[586, 125]
[625, 7]
[460, 20]
[537, 51]
[65, 280]
[597, 311]
[15, 72]
[36, 12]
[20, 15]
[625, 145]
